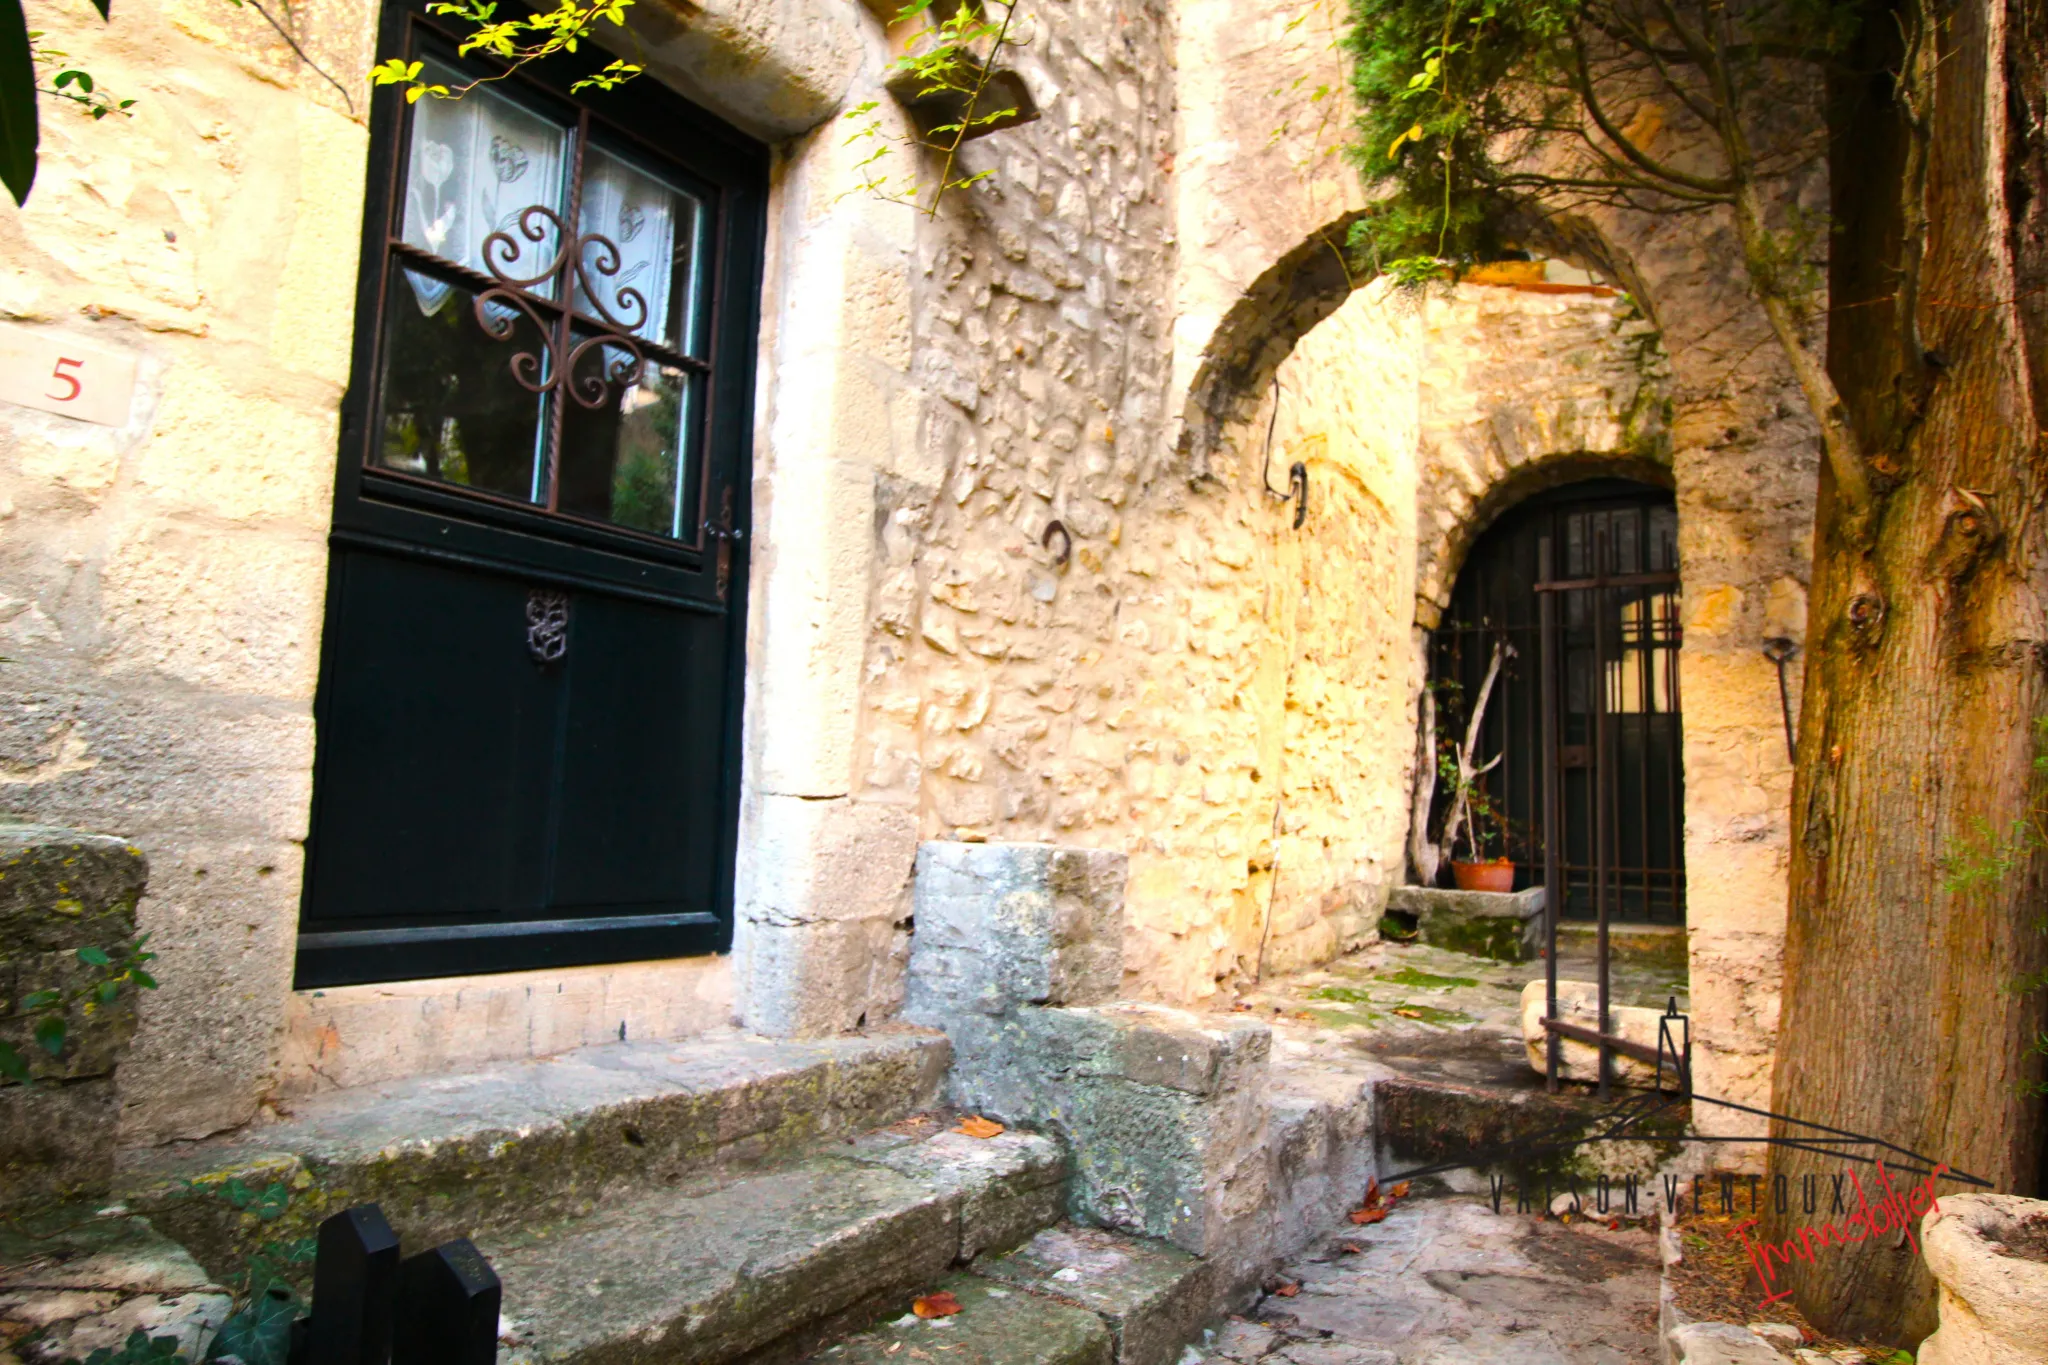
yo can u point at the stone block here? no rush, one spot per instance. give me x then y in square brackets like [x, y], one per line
[1578, 1002]
[1000, 925]
[1503, 925]
[1721, 1343]
[774, 67]
[1164, 1115]
[56, 1141]
[1155, 1298]
[1989, 1255]
[60, 892]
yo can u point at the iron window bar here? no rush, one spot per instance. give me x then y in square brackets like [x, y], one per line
[425, 36]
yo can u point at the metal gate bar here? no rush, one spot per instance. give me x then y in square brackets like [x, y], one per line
[1605, 877]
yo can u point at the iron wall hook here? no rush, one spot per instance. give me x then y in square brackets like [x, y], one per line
[1056, 527]
[1779, 649]
[1297, 488]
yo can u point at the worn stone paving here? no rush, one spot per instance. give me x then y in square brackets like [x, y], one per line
[1446, 1281]
[1427, 1012]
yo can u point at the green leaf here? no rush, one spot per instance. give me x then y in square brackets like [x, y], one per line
[106, 991]
[50, 1033]
[272, 1202]
[11, 1064]
[40, 1000]
[19, 132]
[261, 1333]
[92, 957]
[136, 974]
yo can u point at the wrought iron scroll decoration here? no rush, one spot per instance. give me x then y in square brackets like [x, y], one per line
[547, 624]
[574, 265]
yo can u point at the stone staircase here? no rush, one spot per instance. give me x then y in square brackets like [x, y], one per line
[695, 1203]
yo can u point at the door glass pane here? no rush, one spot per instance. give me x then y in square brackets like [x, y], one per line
[475, 165]
[624, 460]
[452, 408]
[648, 282]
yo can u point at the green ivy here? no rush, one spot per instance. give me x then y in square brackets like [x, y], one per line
[139, 1349]
[122, 965]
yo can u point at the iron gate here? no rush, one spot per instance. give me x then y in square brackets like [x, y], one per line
[1578, 590]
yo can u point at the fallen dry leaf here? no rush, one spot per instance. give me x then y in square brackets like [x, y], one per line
[939, 1305]
[974, 1125]
[1350, 1249]
[1407, 1013]
[1288, 1289]
[894, 1349]
[1372, 1191]
[1364, 1216]
[1399, 1191]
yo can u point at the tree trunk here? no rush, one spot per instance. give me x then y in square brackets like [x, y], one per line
[1925, 659]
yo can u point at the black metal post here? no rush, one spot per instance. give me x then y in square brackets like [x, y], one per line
[448, 1301]
[1601, 792]
[1546, 617]
[355, 1274]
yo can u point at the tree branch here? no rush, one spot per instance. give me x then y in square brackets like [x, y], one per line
[1838, 439]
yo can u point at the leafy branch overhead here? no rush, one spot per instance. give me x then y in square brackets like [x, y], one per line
[21, 53]
[516, 42]
[1480, 117]
[948, 73]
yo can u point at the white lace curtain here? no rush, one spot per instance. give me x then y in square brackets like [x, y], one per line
[477, 162]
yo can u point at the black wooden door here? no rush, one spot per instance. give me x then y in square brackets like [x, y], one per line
[1618, 828]
[529, 695]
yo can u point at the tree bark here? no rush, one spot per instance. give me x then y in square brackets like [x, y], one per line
[1925, 659]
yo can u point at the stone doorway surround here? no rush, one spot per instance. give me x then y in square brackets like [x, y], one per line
[816, 902]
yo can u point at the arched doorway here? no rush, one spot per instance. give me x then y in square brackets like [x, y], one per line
[1590, 771]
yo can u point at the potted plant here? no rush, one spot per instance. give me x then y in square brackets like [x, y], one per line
[1470, 818]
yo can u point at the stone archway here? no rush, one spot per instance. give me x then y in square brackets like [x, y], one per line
[1464, 516]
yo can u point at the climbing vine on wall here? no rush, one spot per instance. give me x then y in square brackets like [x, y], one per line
[107, 971]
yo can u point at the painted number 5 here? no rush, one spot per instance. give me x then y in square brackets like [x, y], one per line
[63, 376]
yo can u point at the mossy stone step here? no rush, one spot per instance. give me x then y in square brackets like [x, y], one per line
[710, 1272]
[518, 1143]
[996, 1325]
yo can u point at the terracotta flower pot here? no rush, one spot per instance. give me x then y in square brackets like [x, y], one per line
[1498, 875]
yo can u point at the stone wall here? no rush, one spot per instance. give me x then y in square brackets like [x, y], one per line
[162, 581]
[1183, 676]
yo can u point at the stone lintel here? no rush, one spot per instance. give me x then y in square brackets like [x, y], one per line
[776, 68]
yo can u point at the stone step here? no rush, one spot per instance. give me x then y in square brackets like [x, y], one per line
[1155, 1298]
[995, 1326]
[766, 1265]
[526, 1142]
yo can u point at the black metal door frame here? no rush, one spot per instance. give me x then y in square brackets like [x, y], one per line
[386, 519]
